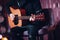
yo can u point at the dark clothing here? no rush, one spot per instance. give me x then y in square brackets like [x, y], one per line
[31, 6]
[17, 32]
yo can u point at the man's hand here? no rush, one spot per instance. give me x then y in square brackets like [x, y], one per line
[12, 16]
[32, 18]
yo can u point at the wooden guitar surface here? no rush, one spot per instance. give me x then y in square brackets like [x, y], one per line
[14, 12]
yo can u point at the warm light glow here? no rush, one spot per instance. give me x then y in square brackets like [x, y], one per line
[4, 38]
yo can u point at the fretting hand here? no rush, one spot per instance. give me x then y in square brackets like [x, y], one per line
[32, 18]
[40, 17]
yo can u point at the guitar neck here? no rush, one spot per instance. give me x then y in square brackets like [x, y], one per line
[24, 17]
[37, 17]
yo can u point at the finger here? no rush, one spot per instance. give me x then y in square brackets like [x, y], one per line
[12, 16]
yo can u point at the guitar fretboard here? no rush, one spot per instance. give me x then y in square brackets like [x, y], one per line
[24, 17]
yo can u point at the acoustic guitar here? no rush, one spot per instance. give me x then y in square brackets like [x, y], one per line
[18, 18]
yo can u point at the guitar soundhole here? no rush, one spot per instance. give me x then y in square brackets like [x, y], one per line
[15, 20]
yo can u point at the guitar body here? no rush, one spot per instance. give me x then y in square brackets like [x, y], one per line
[11, 22]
